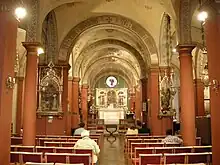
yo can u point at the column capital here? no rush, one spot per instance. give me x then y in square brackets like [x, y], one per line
[65, 66]
[154, 69]
[185, 49]
[76, 79]
[20, 78]
[31, 46]
[199, 81]
[85, 86]
[132, 94]
[144, 80]
[164, 67]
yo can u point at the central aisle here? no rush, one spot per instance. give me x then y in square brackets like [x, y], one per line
[113, 154]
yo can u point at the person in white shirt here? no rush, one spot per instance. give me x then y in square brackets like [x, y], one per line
[79, 130]
[171, 139]
[87, 143]
[132, 130]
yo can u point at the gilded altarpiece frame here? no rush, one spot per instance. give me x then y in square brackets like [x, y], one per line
[50, 90]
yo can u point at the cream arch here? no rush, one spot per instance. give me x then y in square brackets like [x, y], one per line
[108, 60]
[149, 47]
[107, 66]
[88, 53]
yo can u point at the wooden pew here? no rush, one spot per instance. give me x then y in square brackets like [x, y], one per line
[138, 151]
[202, 148]
[175, 158]
[32, 163]
[205, 157]
[68, 164]
[150, 159]
[162, 150]
[68, 158]
[23, 157]
[44, 149]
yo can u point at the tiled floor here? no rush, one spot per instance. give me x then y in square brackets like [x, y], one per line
[113, 154]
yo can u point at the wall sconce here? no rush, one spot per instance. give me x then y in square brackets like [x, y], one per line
[50, 119]
[10, 82]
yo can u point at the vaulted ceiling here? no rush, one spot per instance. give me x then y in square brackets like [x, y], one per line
[100, 37]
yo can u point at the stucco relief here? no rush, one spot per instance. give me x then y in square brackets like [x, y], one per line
[134, 27]
[32, 27]
[108, 64]
[104, 66]
[185, 22]
[133, 51]
[113, 58]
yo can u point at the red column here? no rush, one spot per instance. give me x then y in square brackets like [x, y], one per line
[148, 102]
[155, 122]
[199, 92]
[65, 99]
[75, 102]
[8, 34]
[138, 101]
[132, 101]
[69, 116]
[30, 94]
[212, 27]
[144, 89]
[20, 82]
[187, 95]
[84, 105]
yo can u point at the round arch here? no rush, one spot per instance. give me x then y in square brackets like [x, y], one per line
[107, 68]
[148, 44]
[111, 42]
[105, 61]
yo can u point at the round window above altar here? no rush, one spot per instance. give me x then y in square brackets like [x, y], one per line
[111, 81]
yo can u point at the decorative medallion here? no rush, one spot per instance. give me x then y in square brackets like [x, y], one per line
[111, 81]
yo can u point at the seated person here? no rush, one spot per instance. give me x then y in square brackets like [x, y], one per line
[171, 139]
[132, 131]
[79, 130]
[87, 143]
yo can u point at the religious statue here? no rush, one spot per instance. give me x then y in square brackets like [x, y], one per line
[54, 102]
[165, 100]
[121, 98]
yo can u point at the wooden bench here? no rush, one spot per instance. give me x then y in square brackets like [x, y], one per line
[68, 158]
[180, 158]
[145, 159]
[23, 157]
[163, 150]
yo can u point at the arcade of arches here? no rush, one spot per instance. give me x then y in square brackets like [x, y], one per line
[111, 60]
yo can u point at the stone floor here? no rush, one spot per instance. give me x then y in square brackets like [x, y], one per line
[112, 154]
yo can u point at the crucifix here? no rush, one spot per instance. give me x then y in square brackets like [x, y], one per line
[112, 81]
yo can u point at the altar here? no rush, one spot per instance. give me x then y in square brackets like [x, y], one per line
[111, 115]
